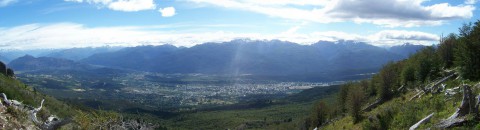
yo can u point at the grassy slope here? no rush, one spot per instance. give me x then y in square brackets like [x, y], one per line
[15, 89]
[400, 113]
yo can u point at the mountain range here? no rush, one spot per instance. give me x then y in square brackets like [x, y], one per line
[271, 59]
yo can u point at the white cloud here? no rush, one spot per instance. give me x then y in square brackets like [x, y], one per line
[470, 2]
[132, 5]
[121, 5]
[167, 12]
[4, 3]
[396, 37]
[68, 35]
[390, 13]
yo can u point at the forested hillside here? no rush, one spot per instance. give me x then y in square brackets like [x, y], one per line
[435, 88]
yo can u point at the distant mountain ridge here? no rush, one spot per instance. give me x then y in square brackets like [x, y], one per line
[81, 53]
[406, 49]
[266, 59]
[253, 57]
[70, 53]
[30, 63]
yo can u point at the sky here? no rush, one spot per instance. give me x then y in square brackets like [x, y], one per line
[41, 24]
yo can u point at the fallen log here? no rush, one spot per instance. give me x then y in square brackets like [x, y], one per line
[401, 88]
[434, 85]
[373, 105]
[424, 120]
[419, 94]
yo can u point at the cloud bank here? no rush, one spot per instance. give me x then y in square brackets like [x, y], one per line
[68, 35]
[389, 13]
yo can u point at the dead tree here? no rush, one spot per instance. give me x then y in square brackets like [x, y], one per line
[5, 99]
[424, 120]
[373, 105]
[33, 113]
[469, 105]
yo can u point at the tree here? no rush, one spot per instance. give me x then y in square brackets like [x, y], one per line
[427, 64]
[321, 114]
[408, 75]
[3, 68]
[388, 80]
[10, 73]
[467, 54]
[355, 100]
[446, 48]
[342, 96]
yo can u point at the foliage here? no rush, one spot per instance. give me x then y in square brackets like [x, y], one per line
[446, 49]
[467, 55]
[10, 72]
[342, 96]
[321, 114]
[396, 112]
[388, 80]
[355, 99]
[3, 68]
[427, 64]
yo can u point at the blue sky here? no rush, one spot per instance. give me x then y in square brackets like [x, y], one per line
[31, 24]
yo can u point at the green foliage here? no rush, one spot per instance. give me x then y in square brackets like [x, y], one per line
[3, 68]
[462, 52]
[342, 96]
[10, 73]
[355, 99]
[446, 50]
[380, 121]
[408, 75]
[321, 114]
[427, 64]
[97, 120]
[351, 98]
[467, 55]
[388, 80]
[19, 115]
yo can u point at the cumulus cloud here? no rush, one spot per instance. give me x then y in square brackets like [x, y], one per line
[121, 5]
[390, 13]
[4, 3]
[67, 35]
[167, 12]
